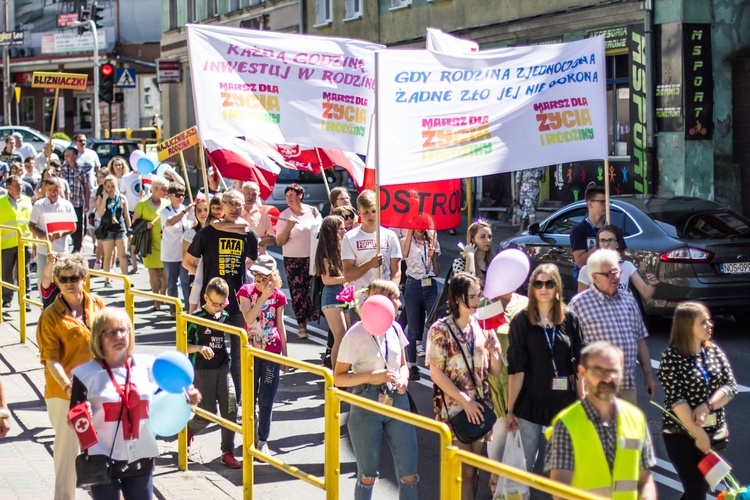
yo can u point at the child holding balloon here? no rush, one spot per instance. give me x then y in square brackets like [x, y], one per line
[262, 305]
[372, 360]
[208, 353]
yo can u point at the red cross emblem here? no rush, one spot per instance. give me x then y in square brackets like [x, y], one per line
[138, 410]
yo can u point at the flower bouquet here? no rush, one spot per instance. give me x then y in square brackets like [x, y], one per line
[347, 297]
[714, 469]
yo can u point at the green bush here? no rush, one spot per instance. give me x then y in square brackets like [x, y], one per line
[61, 135]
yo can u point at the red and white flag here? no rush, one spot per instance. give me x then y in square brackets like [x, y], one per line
[491, 315]
[439, 41]
[57, 222]
[242, 160]
[714, 469]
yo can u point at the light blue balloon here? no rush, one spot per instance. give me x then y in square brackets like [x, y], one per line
[173, 372]
[168, 413]
[145, 165]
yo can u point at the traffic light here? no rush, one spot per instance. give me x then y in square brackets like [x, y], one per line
[84, 15]
[106, 82]
[96, 14]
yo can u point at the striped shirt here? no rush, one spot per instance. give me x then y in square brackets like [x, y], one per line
[616, 320]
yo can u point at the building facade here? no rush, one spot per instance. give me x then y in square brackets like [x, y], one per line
[127, 38]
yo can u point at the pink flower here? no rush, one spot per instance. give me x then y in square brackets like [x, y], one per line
[346, 295]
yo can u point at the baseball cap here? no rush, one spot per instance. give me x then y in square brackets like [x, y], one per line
[17, 135]
[265, 265]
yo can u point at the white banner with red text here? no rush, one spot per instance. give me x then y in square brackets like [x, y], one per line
[281, 87]
[441, 116]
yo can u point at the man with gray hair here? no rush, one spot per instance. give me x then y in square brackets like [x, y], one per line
[256, 217]
[610, 314]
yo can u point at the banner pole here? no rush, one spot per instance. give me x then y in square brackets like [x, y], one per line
[323, 172]
[52, 123]
[606, 189]
[374, 120]
[202, 159]
[187, 179]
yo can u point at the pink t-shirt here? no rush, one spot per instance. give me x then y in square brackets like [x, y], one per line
[267, 337]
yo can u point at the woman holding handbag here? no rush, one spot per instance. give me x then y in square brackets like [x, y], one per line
[698, 383]
[112, 209]
[376, 369]
[116, 376]
[543, 353]
[460, 356]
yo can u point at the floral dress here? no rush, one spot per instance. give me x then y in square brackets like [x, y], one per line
[528, 194]
[443, 352]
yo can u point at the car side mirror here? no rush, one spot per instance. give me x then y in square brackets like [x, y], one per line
[534, 228]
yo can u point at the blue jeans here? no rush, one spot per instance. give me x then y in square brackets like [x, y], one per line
[266, 385]
[418, 301]
[175, 271]
[235, 353]
[531, 434]
[366, 431]
[133, 488]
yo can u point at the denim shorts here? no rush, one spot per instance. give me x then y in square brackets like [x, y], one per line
[328, 298]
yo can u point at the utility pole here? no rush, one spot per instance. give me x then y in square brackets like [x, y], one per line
[91, 26]
[6, 66]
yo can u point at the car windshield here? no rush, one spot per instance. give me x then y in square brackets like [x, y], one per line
[287, 176]
[692, 219]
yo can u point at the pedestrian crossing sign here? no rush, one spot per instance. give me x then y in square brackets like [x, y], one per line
[125, 78]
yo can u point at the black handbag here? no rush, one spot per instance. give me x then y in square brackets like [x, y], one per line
[316, 292]
[464, 430]
[96, 470]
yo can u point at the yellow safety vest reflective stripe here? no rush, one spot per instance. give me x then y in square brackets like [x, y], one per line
[17, 217]
[591, 468]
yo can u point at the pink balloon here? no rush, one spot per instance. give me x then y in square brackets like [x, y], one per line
[507, 271]
[377, 314]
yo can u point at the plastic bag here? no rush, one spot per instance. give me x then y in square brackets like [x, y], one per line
[513, 456]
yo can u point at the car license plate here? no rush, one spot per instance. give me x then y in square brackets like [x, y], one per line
[736, 268]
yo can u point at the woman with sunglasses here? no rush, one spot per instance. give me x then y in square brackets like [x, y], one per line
[477, 254]
[200, 211]
[148, 209]
[112, 209]
[611, 237]
[95, 221]
[63, 334]
[543, 355]
[349, 215]
[262, 305]
[174, 223]
[328, 266]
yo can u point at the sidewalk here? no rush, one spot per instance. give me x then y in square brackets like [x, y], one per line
[26, 453]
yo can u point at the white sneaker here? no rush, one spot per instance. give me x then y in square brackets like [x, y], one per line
[263, 447]
[420, 351]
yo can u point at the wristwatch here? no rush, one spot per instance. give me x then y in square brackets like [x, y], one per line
[4, 413]
[510, 411]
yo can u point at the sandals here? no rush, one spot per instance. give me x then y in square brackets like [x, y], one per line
[301, 331]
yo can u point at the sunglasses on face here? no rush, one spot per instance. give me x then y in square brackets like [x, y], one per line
[348, 217]
[614, 273]
[179, 195]
[69, 279]
[549, 285]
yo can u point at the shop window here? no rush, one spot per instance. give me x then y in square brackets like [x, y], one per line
[233, 5]
[27, 109]
[191, 17]
[173, 21]
[212, 8]
[323, 12]
[84, 117]
[618, 104]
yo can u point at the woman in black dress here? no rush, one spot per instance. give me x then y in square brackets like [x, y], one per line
[544, 351]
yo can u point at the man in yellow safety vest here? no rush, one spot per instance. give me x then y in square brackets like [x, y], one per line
[601, 443]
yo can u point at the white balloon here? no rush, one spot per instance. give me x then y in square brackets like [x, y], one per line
[507, 271]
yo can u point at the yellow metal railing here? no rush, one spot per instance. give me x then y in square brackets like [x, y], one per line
[21, 287]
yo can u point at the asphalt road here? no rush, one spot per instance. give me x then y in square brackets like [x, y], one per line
[297, 429]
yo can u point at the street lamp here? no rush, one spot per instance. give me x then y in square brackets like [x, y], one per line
[91, 24]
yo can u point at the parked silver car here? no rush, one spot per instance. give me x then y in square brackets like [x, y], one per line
[35, 138]
[699, 250]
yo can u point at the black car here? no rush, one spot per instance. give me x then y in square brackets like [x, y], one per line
[699, 249]
[109, 148]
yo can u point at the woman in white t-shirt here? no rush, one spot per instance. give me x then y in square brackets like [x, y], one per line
[174, 223]
[375, 366]
[293, 234]
[611, 237]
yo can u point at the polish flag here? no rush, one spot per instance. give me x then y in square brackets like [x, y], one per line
[491, 315]
[243, 160]
[438, 41]
[714, 469]
[60, 222]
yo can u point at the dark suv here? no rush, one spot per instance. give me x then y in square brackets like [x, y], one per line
[109, 148]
